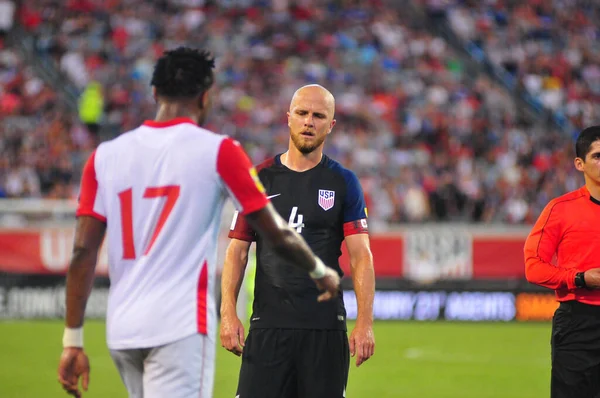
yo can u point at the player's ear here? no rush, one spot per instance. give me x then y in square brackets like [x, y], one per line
[204, 100]
[579, 162]
[154, 93]
[331, 126]
[288, 117]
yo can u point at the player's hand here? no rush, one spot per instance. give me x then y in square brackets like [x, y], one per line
[362, 343]
[592, 278]
[73, 365]
[329, 284]
[232, 334]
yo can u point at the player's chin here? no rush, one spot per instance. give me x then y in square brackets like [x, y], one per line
[307, 146]
[306, 149]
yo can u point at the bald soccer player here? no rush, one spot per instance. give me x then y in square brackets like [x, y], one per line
[298, 347]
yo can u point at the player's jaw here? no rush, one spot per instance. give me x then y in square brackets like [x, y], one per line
[306, 141]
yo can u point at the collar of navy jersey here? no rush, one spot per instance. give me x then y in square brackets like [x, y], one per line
[279, 163]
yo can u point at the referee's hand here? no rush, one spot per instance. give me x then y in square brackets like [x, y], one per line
[329, 284]
[592, 278]
[232, 334]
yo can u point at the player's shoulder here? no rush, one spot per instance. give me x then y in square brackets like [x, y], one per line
[569, 199]
[336, 167]
[123, 140]
[266, 164]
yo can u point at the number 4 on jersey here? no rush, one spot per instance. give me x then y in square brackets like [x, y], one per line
[126, 198]
[292, 221]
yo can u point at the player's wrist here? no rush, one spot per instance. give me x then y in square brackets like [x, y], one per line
[73, 337]
[320, 269]
[580, 280]
[364, 322]
[228, 311]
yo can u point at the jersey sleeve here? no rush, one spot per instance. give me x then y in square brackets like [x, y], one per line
[355, 208]
[240, 177]
[540, 247]
[90, 202]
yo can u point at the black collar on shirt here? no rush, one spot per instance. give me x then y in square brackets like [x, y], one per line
[594, 200]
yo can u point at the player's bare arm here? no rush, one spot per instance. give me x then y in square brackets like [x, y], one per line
[290, 246]
[74, 364]
[232, 330]
[362, 340]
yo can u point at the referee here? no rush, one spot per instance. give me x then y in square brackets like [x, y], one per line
[569, 227]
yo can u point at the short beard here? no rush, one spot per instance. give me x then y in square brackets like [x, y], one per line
[306, 148]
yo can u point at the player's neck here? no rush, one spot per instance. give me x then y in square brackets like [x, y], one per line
[593, 188]
[295, 160]
[170, 111]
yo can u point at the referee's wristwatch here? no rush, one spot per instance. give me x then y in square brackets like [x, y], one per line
[580, 280]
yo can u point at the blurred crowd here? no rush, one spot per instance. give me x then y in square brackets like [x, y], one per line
[428, 141]
[550, 47]
[41, 144]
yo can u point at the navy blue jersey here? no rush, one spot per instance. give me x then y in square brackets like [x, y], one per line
[324, 204]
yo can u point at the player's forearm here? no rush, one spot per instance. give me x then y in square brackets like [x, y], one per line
[545, 274]
[80, 278]
[363, 278]
[231, 281]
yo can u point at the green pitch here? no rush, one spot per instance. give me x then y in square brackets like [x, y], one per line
[412, 360]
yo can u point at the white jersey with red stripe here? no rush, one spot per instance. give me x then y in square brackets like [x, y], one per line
[160, 189]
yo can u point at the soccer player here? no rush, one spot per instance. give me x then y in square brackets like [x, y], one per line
[297, 347]
[158, 192]
[569, 227]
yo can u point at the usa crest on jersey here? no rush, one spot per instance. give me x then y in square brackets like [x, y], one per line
[326, 199]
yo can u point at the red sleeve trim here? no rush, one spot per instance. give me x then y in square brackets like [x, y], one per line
[241, 177]
[359, 226]
[89, 190]
[97, 216]
[241, 235]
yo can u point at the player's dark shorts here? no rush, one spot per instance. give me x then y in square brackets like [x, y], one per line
[576, 351]
[294, 363]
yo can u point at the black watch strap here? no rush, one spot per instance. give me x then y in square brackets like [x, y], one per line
[580, 280]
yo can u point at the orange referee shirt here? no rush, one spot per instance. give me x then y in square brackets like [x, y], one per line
[569, 227]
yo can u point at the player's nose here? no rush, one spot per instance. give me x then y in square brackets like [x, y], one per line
[308, 121]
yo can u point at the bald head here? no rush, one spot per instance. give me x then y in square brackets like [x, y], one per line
[314, 93]
[310, 118]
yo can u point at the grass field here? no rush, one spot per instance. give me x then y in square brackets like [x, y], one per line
[412, 360]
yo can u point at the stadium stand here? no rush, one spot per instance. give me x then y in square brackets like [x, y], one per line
[549, 48]
[430, 140]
